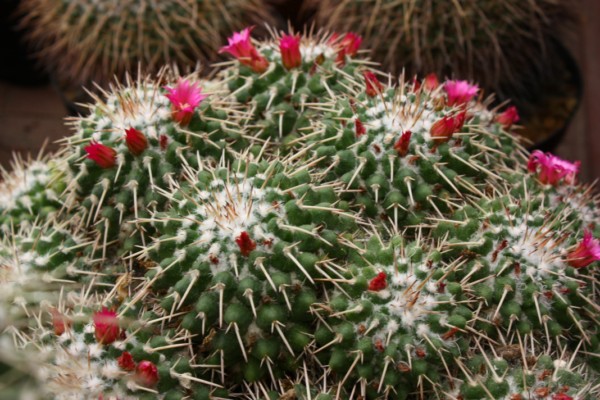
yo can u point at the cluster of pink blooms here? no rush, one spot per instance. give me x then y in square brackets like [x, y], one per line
[551, 169]
[185, 97]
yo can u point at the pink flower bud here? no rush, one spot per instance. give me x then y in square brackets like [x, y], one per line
[60, 322]
[290, 51]
[443, 129]
[379, 282]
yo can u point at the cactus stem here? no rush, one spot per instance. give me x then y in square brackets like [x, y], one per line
[248, 294]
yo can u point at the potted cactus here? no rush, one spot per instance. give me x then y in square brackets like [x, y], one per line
[85, 41]
[511, 48]
[302, 226]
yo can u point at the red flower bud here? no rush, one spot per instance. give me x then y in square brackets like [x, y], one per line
[107, 326]
[431, 82]
[443, 129]
[401, 145]
[245, 243]
[508, 117]
[103, 156]
[373, 86]
[126, 361]
[379, 282]
[359, 127]
[136, 141]
[146, 374]
[60, 322]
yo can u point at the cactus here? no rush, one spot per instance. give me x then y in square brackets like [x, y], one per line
[82, 41]
[298, 227]
[504, 45]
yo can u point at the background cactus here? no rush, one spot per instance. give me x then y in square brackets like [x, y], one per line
[310, 228]
[81, 41]
[506, 46]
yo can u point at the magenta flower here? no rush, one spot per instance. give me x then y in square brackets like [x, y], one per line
[586, 253]
[184, 97]
[107, 326]
[290, 51]
[509, 117]
[240, 46]
[551, 169]
[460, 92]
[103, 156]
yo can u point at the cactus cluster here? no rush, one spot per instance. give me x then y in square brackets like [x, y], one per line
[504, 45]
[303, 226]
[82, 41]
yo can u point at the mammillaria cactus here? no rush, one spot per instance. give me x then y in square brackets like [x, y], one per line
[82, 41]
[301, 225]
[501, 44]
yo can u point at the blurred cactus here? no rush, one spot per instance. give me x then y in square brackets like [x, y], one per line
[80, 41]
[506, 46]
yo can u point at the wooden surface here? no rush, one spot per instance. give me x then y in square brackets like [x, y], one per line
[29, 116]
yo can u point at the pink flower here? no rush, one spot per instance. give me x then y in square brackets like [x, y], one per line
[146, 374]
[431, 82]
[401, 145]
[136, 141]
[551, 169]
[373, 86]
[508, 117]
[103, 156]
[460, 92]
[586, 253]
[184, 97]
[107, 326]
[290, 51]
[242, 48]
